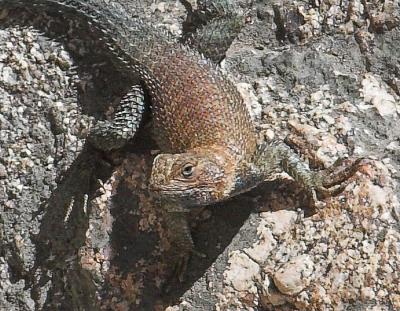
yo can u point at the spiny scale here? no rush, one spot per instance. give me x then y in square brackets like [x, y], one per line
[193, 103]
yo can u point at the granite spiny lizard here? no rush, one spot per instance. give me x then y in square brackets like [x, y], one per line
[201, 124]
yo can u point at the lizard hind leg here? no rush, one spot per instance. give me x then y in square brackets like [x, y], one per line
[214, 39]
[115, 133]
[212, 27]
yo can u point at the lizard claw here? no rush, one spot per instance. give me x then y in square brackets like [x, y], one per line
[181, 267]
[334, 179]
[180, 264]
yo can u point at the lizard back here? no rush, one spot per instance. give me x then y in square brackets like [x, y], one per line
[193, 103]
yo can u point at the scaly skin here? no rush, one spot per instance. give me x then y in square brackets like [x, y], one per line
[200, 120]
[212, 27]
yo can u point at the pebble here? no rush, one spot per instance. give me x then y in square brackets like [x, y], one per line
[3, 171]
[242, 272]
[292, 277]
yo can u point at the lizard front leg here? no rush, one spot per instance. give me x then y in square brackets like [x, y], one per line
[277, 156]
[181, 241]
[115, 133]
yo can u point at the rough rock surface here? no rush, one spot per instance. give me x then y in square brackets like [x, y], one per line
[325, 71]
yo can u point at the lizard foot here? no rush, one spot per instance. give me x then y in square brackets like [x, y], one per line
[334, 179]
[182, 246]
[325, 182]
[180, 263]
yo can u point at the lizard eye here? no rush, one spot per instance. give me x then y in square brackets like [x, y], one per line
[187, 170]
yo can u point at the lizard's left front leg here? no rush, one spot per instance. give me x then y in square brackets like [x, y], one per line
[277, 156]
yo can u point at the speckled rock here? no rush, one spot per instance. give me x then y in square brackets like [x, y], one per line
[294, 275]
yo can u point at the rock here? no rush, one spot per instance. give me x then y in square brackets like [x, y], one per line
[242, 272]
[330, 78]
[293, 277]
[376, 93]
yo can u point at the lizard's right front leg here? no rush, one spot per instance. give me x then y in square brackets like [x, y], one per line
[181, 243]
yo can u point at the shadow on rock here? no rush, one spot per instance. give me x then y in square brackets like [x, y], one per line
[62, 234]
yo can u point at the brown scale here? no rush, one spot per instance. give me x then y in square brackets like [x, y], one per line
[194, 106]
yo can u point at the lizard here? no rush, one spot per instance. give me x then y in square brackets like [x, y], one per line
[207, 138]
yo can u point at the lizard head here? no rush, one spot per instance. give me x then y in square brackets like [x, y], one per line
[193, 178]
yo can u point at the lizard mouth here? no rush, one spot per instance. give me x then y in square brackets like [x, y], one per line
[175, 189]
